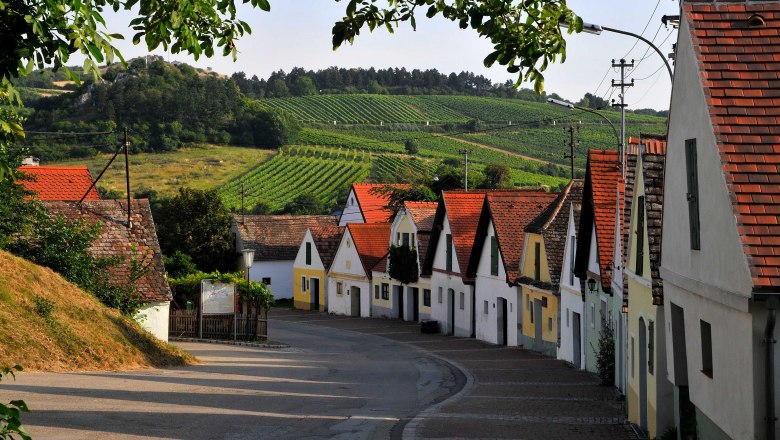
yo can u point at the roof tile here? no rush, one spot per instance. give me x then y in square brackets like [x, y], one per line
[59, 183]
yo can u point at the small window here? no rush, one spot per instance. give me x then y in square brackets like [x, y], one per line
[485, 308]
[706, 348]
[567, 318]
[537, 261]
[592, 316]
[532, 313]
[651, 347]
[692, 172]
[493, 256]
[427, 297]
[308, 253]
[441, 296]
[376, 292]
[351, 201]
[640, 237]
[571, 259]
[266, 281]
[405, 239]
[510, 307]
[303, 284]
[339, 288]
[449, 252]
[462, 301]
[549, 324]
[385, 291]
[633, 354]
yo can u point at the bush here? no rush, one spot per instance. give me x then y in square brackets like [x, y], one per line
[10, 422]
[188, 287]
[179, 265]
[43, 307]
[605, 357]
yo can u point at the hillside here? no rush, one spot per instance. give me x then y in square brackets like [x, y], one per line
[79, 334]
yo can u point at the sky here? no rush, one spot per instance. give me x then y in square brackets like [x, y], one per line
[296, 33]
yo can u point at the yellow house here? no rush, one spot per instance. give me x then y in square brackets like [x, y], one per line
[311, 266]
[650, 394]
[544, 247]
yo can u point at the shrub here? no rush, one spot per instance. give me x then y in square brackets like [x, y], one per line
[10, 421]
[605, 357]
[43, 307]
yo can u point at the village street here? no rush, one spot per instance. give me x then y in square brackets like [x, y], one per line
[341, 378]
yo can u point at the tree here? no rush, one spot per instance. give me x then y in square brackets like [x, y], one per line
[303, 86]
[397, 195]
[304, 204]
[496, 176]
[402, 264]
[412, 147]
[263, 128]
[196, 223]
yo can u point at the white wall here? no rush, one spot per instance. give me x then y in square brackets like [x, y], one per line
[153, 317]
[440, 311]
[281, 274]
[351, 213]
[489, 288]
[571, 299]
[348, 269]
[300, 258]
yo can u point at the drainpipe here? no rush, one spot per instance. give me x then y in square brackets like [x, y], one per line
[770, 341]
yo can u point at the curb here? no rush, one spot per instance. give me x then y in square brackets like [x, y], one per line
[238, 343]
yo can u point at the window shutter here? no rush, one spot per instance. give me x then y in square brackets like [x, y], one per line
[449, 252]
[308, 253]
[640, 237]
[537, 261]
[493, 256]
[693, 193]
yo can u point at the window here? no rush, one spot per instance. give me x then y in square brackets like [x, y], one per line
[510, 307]
[308, 253]
[462, 301]
[427, 297]
[339, 288]
[567, 318]
[493, 256]
[266, 281]
[549, 324]
[632, 356]
[405, 239]
[640, 237]
[531, 309]
[376, 292]
[385, 291]
[449, 252]
[691, 163]
[537, 261]
[485, 308]
[303, 284]
[706, 348]
[441, 296]
[592, 316]
[571, 259]
[651, 347]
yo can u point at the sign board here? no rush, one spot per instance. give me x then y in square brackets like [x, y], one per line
[217, 298]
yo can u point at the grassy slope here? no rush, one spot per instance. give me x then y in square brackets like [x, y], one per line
[81, 334]
[201, 168]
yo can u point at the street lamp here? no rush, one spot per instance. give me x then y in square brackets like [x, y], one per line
[249, 257]
[591, 285]
[571, 106]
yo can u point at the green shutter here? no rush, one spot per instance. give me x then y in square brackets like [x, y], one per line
[308, 253]
[693, 192]
[640, 237]
[537, 261]
[449, 252]
[493, 256]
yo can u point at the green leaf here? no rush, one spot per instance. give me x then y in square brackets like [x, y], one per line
[96, 52]
[264, 5]
[490, 59]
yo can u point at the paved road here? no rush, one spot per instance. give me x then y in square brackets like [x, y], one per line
[330, 384]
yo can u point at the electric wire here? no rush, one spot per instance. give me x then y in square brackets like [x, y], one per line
[643, 30]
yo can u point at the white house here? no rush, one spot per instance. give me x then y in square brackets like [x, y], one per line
[367, 204]
[719, 259]
[275, 240]
[447, 261]
[411, 227]
[495, 261]
[572, 347]
[362, 246]
[310, 269]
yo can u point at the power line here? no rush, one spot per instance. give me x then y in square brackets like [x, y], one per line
[645, 28]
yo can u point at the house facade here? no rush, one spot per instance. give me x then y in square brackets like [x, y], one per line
[411, 227]
[572, 298]
[275, 240]
[447, 260]
[649, 392]
[310, 269]
[362, 246]
[496, 258]
[136, 242]
[367, 204]
[540, 272]
[721, 274]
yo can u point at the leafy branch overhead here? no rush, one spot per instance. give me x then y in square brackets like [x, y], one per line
[526, 35]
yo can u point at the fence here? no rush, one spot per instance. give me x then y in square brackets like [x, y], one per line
[246, 327]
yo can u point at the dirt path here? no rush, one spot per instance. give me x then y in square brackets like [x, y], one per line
[489, 147]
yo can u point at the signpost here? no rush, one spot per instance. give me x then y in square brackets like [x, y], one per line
[216, 299]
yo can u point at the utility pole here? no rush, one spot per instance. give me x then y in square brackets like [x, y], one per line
[572, 144]
[465, 154]
[622, 84]
[242, 202]
[127, 178]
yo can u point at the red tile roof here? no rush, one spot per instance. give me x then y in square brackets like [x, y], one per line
[326, 240]
[652, 144]
[277, 237]
[739, 66]
[511, 212]
[116, 240]
[59, 183]
[371, 242]
[422, 214]
[373, 204]
[463, 211]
